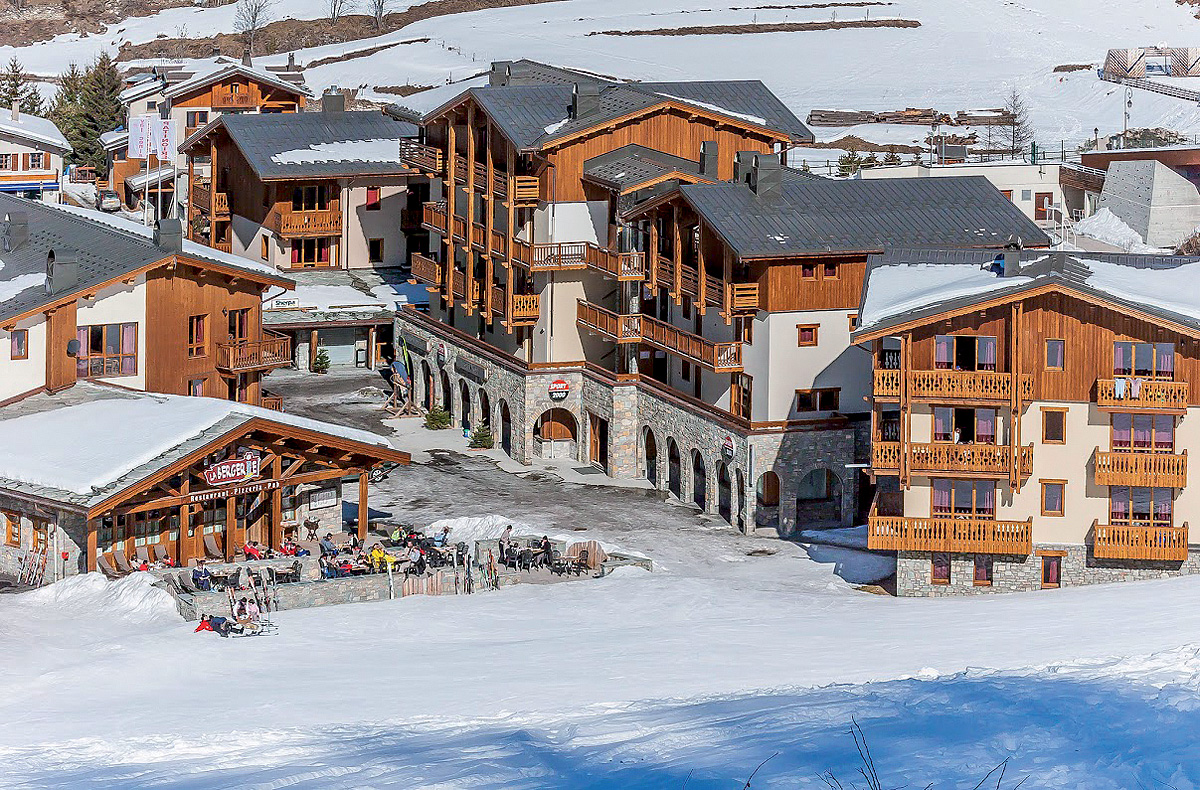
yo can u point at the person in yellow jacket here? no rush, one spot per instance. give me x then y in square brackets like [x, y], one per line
[378, 557]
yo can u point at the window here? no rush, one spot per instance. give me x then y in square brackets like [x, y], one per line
[818, 400]
[1055, 352]
[151, 106]
[41, 534]
[6, 161]
[964, 426]
[743, 328]
[939, 568]
[967, 498]
[310, 198]
[685, 370]
[853, 319]
[308, 253]
[196, 388]
[12, 529]
[19, 339]
[373, 202]
[1143, 433]
[37, 161]
[1140, 507]
[741, 395]
[107, 350]
[964, 352]
[983, 570]
[806, 334]
[685, 307]
[1144, 360]
[239, 324]
[1007, 193]
[808, 271]
[1053, 494]
[197, 118]
[375, 250]
[1051, 571]
[212, 518]
[264, 251]
[1054, 426]
[287, 501]
[829, 271]
[197, 336]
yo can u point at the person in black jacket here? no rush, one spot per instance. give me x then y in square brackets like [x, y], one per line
[201, 577]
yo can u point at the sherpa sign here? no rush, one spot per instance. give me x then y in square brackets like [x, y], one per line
[234, 470]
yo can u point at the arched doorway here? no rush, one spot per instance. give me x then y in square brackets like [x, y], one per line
[674, 475]
[699, 481]
[505, 428]
[767, 494]
[464, 405]
[427, 377]
[739, 500]
[724, 493]
[819, 499]
[485, 408]
[556, 433]
[650, 446]
[447, 394]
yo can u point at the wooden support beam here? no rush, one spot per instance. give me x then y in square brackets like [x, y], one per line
[183, 546]
[652, 254]
[230, 527]
[489, 216]
[451, 155]
[701, 270]
[677, 255]
[727, 279]
[469, 278]
[92, 548]
[275, 538]
[363, 512]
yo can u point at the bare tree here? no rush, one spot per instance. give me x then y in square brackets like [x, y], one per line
[251, 17]
[1020, 128]
[339, 8]
[378, 9]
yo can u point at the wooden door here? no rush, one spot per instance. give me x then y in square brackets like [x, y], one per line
[1042, 202]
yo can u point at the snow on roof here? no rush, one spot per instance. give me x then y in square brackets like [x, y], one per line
[330, 298]
[189, 247]
[896, 289]
[427, 101]
[34, 129]
[1172, 289]
[112, 139]
[22, 282]
[203, 78]
[146, 177]
[716, 108]
[377, 150]
[147, 86]
[86, 446]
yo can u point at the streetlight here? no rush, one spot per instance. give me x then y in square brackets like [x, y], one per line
[1128, 107]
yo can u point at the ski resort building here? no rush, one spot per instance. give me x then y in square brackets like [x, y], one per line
[317, 190]
[89, 296]
[31, 155]
[1032, 416]
[625, 275]
[193, 98]
[203, 478]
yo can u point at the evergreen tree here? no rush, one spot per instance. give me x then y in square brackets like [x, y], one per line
[100, 111]
[15, 89]
[65, 110]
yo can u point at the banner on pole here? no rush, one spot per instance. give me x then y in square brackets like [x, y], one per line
[150, 134]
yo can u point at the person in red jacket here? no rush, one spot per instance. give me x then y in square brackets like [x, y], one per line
[218, 625]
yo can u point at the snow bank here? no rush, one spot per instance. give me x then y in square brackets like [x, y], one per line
[327, 298]
[848, 537]
[1107, 227]
[91, 594]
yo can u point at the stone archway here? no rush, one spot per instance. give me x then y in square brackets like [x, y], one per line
[464, 405]
[724, 492]
[766, 511]
[819, 499]
[427, 377]
[699, 481]
[650, 450]
[485, 408]
[674, 471]
[556, 433]
[505, 428]
[447, 393]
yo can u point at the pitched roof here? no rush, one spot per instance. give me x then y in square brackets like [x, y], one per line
[328, 297]
[630, 166]
[906, 285]
[72, 447]
[104, 245]
[315, 144]
[533, 108]
[222, 71]
[38, 132]
[807, 215]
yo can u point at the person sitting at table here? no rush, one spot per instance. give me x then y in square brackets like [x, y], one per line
[442, 538]
[327, 546]
[252, 550]
[294, 549]
[415, 559]
[143, 565]
[201, 577]
[329, 569]
[545, 555]
[377, 557]
[345, 566]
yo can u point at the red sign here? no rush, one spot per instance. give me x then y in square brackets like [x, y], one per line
[727, 448]
[233, 470]
[559, 389]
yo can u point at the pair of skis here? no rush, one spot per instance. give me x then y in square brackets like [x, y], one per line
[33, 568]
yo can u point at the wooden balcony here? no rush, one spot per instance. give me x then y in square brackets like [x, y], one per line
[959, 535]
[1169, 396]
[271, 352]
[526, 190]
[1122, 542]
[1143, 469]
[743, 297]
[526, 308]
[228, 100]
[717, 357]
[223, 246]
[958, 386]
[959, 460]
[270, 400]
[213, 203]
[305, 224]
[423, 157]
[426, 270]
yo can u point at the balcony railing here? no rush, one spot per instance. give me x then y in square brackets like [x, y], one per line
[272, 352]
[224, 99]
[526, 308]
[954, 459]
[717, 357]
[270, 400]
[426, 270]
[743, 297]
[1123, 542]
[952, 385]
[1154, 470]
[970, 535]
[421, 156]
[1138, 393]
[206, 200]
[306, 224]
[223, 246]
[622, 328]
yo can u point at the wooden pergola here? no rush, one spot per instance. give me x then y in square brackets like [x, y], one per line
[173, 505]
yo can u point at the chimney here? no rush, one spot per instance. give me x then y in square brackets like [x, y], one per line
[499, 75]
[62, 271]
[708, 158]
[291, 61]
[741, 166]
[585, 99]
[1012, 256]
[168, 235]
[16, 230]
[16, 111]
[766, 175]
[216, 50]
[333, 100]
[246, 58]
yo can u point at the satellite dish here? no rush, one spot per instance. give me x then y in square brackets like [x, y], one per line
[73, 347]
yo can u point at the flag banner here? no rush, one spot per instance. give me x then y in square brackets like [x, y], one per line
[141, 136]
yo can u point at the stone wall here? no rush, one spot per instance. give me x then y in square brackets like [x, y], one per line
[66, 531]
[1022, 574]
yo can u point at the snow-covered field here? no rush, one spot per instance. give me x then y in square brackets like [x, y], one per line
[965, 54]
[705, 668]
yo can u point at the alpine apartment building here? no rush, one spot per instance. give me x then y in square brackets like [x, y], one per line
[1032, 416]
[31, 155]
[627, 274]
[100, 298]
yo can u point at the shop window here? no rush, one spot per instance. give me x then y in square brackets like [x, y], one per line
[1053, 495]
[196, 388]
[939, 572]
[19, 344]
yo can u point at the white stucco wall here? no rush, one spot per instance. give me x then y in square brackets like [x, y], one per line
[359, 225]
[118, 304]
[22, 375]
[584, 221]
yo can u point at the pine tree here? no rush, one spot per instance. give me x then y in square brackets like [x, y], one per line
[100, 111]
[15, 89]
[65, 110]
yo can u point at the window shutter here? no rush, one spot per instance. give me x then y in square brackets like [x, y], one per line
[24, 161]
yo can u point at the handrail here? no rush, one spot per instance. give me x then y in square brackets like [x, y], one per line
[951, 534]
[426, 269]
[938, 457]
[1140, 542]
[273, 351]
[1151, 393]
[1151, 469]
[324, 222]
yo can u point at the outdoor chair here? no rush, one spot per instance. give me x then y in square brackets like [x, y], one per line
[525, 559]
[160, 554]
[580, 564]
[211, 549]
[142, 554]
[107, 569]
[291, 574]
[233, 580]
[185, 581]
[173, 584]
[123, 564]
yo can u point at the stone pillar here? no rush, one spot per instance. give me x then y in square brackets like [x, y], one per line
[624, 441]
